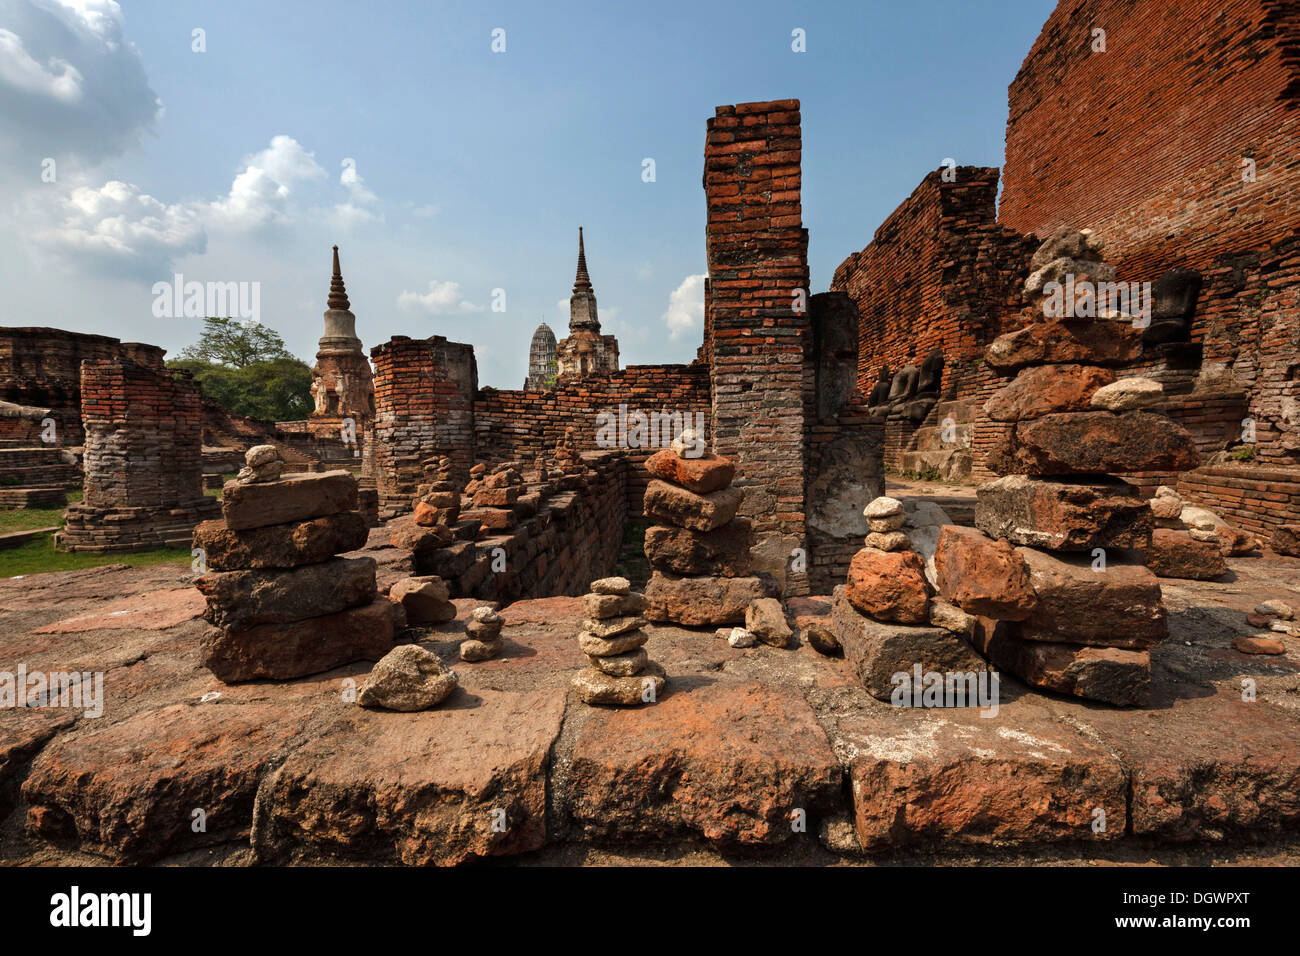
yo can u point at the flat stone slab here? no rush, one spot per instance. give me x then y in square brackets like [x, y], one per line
[292, 498]
[464, 781]
[728, 761]
[153, 611]
[1207, 768]
[129, 791]
[951, 776]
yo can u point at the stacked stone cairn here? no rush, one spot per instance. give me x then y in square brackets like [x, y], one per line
[885, 618]
[438, 504]
[621, 673]
[700, 552]
[1189, 541]
[281, 604]
[1057, 577]
[484, 635]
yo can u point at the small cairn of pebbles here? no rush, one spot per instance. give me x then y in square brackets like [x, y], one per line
[408, 677]
[621, 673]
[261, 463]
[439, 504]
[484, 631]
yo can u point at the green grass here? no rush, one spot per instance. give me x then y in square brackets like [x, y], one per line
[38, 556]
[25, 519]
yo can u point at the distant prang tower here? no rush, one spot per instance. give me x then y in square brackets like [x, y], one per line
[341, 382]
[541, 360]
[585, 351]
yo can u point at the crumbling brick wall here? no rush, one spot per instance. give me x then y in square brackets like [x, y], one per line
[521, 425]
[758, 332]
[41, 367]
[1144, 142]
[564, 539]
[939, 273]
[143, 459]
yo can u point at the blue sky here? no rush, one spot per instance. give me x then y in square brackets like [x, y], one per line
[472, 169]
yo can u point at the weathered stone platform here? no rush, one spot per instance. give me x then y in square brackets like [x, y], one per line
[778, 755]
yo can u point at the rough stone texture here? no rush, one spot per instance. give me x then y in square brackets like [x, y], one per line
[765, 619]
[416, 788]
[1129, 393]
[1121, 606]
[745, 756]
[1096, 443]
[421, 540]
[982, 576]
[700, 475]
[1112, 675]
[425, 598]
[1176, 554]
[294, 498]
[407, 678]
[723, 551]
[594, 686]
[283, 545]
[879, 651]
[686, 509]
[1063, 515]
[1066, 342]
[889, 586]
[703, 601]
[242, 599]
[1207, 769]
[956, 776]
[128, 790]
[594, 646]
[1286, 540]
[600, 606]
[1044, 389]
[310, 646]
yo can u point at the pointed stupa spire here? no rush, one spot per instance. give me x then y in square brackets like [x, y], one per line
[582, 281]
[338, 297]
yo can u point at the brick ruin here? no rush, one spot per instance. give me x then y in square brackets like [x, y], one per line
[804, 462]
[943, 273]
[143, 466]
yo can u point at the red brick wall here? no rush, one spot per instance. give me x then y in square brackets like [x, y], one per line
[525, 424]
[1144, 142]
[939, 273]
[759, 346]
[1253, 499]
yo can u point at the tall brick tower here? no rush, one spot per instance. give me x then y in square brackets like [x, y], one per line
[341, 383]
[584, 351]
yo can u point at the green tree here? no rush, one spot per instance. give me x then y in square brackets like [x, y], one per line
[248, 371]
[224, 341]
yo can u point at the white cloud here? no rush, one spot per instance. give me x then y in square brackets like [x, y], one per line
[686, 307]
[58, 79]
[118, 228]
[427, 211]
[73, 89]
[260, 194]
[356, 210]
[443, 298]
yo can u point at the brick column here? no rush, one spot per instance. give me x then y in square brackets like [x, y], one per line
[759, 344]
[420, 411]
[143, 460]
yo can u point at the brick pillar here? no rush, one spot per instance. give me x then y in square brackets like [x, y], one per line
[421, 410]
[143, 460]
[758, 341]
